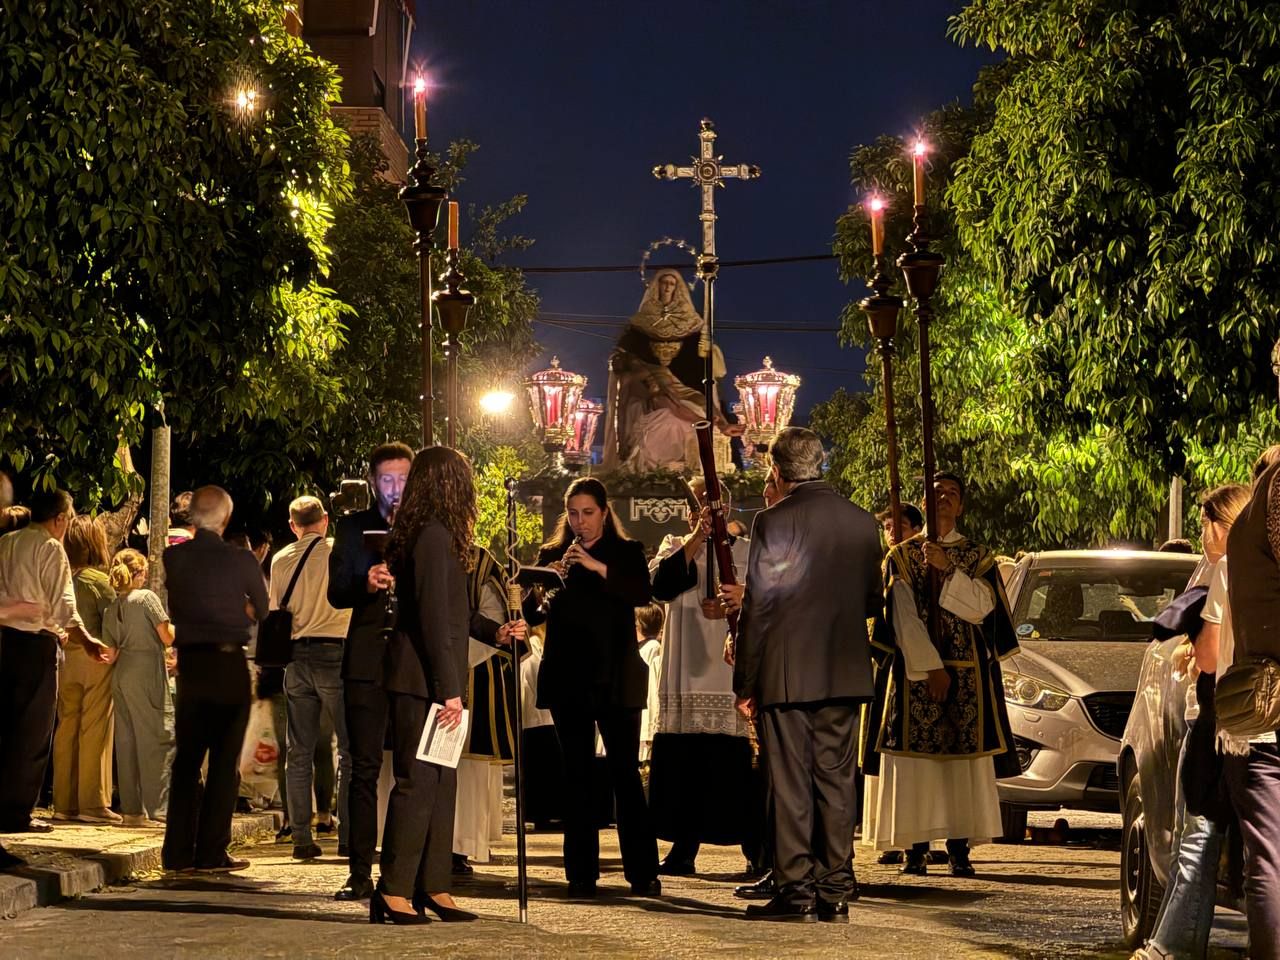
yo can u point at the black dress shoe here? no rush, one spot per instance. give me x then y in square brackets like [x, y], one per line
[760, 890]
[783, 911]
[460, 866]
[916, 866]
[582, 889]
[356, 888]
[833, 912]
[962, 867]
[423, 901]
[890, 857]
[647, 888]
[343, 850]
[676, 868]
[30, 825]
[284, 834]
[307, 851]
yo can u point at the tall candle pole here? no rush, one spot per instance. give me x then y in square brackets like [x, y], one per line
[922, 268]
[423, 197]
[882, 310]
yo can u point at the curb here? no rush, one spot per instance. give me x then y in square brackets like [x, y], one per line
[57, 874]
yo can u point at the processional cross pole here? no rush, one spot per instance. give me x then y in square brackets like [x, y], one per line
[707, 172]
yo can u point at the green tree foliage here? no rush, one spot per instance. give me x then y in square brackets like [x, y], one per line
[1032, 485]
[491, 497]
[158, 245]
[1122, 199]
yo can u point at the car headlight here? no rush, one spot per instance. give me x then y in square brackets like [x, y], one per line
[1029, 692]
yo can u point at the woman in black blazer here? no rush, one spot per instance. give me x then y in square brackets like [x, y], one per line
[429, 553]
[592, 675]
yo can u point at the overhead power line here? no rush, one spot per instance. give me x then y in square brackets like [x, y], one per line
[605, 320]
[684, 265]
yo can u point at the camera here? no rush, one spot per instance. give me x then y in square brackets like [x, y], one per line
[352, 496]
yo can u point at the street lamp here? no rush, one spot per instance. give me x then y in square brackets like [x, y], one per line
[453, 303]
[497, 403]
[553, 398]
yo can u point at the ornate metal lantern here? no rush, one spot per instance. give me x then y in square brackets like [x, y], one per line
[768, 401]
[586, 418]
[554, 395]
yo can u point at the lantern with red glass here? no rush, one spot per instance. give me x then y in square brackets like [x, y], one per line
[577, 449]
[554, 395]
[768, 401]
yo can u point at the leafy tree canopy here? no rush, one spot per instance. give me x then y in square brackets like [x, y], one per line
[157, 245]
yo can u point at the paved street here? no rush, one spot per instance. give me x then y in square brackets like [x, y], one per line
[1029, 902]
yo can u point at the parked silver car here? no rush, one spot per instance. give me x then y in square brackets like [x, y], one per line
[1083, 620]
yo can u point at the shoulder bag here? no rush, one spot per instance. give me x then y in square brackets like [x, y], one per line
[275, 633]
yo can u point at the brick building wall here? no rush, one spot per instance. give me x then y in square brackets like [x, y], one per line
[374, 121]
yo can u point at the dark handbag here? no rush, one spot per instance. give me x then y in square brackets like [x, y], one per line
[1248, 697]
[275, 633]
[1200, 776]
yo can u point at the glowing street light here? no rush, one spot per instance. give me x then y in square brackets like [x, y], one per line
[497, 403]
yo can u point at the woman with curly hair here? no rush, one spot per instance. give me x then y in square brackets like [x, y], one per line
[592, 676]
[429, 554]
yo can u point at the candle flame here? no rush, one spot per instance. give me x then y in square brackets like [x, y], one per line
[877, 204]
[419, 85]
[920, 149]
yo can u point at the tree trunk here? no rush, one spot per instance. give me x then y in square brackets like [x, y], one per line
[158, 522]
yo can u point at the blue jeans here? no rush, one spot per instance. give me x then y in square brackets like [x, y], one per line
[313, 683]
[1186, 913]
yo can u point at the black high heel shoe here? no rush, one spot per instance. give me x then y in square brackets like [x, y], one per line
[379, 912]
[423, 901]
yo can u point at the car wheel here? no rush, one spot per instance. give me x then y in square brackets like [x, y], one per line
[1013, 823]
[1140, 889]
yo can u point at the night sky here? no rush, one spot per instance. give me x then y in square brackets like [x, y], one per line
[573, 102]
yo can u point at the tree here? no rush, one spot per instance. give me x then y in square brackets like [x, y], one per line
[160, 244]
[1122, 201]
[1033, 484]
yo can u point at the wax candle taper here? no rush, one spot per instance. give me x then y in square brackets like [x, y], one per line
[453, 224]
[917, 164]
[420, 107]
[876, 208]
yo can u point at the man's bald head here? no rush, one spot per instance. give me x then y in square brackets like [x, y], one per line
[211, 509]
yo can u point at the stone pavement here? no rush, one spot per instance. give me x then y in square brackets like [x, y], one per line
[1028, 902]
[78, 858]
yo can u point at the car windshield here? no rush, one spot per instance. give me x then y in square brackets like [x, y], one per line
[1102, 599]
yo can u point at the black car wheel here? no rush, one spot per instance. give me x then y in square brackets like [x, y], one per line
[1140, 889]
[1013, 823]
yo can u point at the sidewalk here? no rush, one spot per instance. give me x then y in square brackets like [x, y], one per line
[78, 858]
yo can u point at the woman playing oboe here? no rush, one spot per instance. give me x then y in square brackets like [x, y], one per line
[429, 553]
[592, 675]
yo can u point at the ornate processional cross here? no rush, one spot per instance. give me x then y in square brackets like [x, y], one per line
[708, 173]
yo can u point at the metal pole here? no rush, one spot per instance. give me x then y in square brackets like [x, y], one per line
[422, 198]
[515, 612]
[882, 311]
[424, 283]
[708, 266]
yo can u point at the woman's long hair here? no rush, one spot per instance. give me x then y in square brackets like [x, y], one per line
[1223, 504]
[593, 488]
[440, 487]
[86, 543]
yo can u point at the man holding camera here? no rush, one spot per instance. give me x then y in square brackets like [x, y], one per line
[360, 582]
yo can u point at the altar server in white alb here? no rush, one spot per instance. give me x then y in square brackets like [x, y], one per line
[944, 730]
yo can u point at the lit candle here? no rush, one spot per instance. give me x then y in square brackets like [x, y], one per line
[876, 206]
[917, 163]
[420, 107]
[453, 224]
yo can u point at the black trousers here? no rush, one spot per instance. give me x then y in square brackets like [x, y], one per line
[28, 704]
[620, 730]
[1254, 785]
[210, 716]
[810, 756]
[417, 840]
[365, 704]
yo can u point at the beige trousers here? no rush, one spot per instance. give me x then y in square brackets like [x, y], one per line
[83, 738]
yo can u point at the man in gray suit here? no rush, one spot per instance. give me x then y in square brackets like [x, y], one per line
[802, 668]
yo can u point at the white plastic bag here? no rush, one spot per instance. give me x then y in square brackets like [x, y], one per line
[261, 750]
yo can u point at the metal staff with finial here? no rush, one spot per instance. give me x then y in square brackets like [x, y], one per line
[921, 268]
[515, 611]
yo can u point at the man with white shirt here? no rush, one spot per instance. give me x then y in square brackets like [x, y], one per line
[945, 729]
[37, 615]
[313, 680]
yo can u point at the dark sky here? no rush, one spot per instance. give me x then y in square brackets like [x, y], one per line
[573, 102]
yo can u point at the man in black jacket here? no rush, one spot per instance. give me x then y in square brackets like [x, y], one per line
[359, 581]
[803, 664]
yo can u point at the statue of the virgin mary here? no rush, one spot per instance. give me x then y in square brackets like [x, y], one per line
[655, 383]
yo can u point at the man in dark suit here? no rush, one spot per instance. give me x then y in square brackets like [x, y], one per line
[216, 593]
[803, 667]
[359, 581]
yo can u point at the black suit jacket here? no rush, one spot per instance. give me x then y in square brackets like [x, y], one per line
[591, 657]
[427, 654]
[813, 579]
[209, 581]
[349, 565]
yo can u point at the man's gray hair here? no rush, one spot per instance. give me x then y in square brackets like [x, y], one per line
[798, 454]
[210, 508]
[306, 511]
